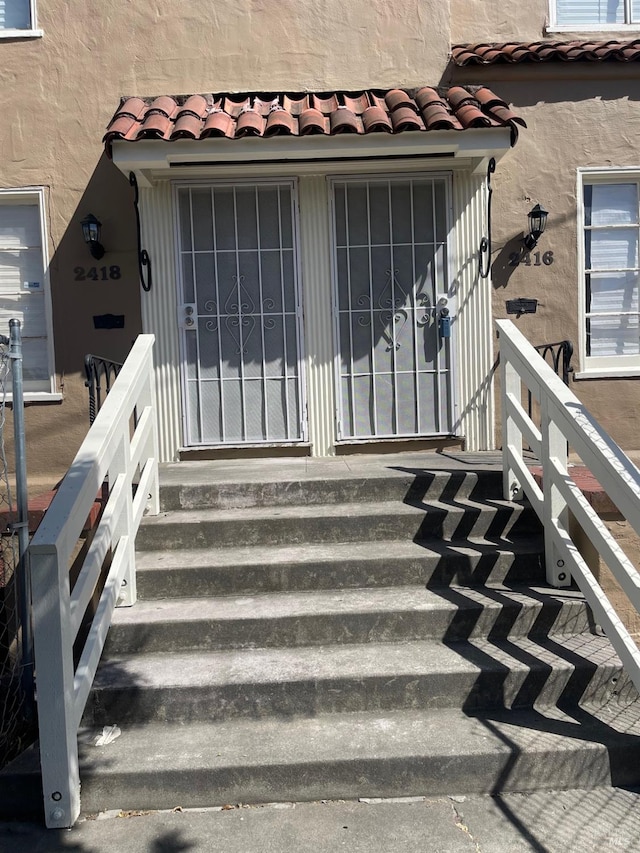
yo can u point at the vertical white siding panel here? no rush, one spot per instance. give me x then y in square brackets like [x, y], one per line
[159, 315]
[318, 315]
[474, 338]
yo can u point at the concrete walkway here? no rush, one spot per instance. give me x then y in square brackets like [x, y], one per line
[606, 820]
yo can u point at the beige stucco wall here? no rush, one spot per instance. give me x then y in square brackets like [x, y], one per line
[60, 91]
[474, 21]
[577, 116]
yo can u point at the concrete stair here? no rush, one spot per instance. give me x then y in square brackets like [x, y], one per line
[358, 627]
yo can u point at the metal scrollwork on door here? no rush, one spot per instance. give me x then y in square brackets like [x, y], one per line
[211, 307]
[394, 310]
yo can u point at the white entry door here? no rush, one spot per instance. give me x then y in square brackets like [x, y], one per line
[240, 314]
[394, 307]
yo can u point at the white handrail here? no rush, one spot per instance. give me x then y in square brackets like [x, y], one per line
[565, 422]
[120, 449]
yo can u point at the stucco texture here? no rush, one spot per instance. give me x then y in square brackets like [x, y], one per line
[572, 123]
[475, 21]
[60, 91]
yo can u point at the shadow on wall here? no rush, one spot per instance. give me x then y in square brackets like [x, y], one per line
[83, 287]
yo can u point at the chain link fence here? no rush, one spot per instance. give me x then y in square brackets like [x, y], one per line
[15, 731]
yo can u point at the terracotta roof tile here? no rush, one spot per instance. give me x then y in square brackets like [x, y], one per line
[312, 121]
[233, 116]
[374, 119]
[488, 53]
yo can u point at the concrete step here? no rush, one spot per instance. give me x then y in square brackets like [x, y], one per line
[254, 569]
[204, 485]
[342, 756]
[473, 675]
[294, 525]
[345, 616]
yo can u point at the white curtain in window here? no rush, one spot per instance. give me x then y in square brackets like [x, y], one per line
[22, 294]
[590, 12]
[15, 15]
[611, 244]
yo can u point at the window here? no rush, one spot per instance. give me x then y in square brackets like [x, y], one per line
[611, 236]
[18, 18]
[595, 14]
[24, 291]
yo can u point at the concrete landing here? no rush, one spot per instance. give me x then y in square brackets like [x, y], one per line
[606, 820]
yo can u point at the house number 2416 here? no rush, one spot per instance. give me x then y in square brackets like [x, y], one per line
[536, 259]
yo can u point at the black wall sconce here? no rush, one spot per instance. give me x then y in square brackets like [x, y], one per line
[537, 223]
[91, 233]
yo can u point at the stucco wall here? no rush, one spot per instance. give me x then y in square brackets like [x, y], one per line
[575, 121]
[60, 91]
[475, 21]
[510, 20]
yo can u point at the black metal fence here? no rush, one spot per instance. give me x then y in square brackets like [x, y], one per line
[101, 374]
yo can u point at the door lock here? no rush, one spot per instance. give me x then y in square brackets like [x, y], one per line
[187, 316]
[445, 323]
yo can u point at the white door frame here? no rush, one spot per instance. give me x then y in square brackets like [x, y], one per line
[301, 378]
[449, 296]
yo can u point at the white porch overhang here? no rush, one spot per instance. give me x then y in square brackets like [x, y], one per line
[151, 159]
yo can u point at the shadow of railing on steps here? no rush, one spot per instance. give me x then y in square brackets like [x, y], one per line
[547, 705]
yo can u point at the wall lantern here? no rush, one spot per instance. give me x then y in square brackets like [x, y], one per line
[537, 223]
[91, 233]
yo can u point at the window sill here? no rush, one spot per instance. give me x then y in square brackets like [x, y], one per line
[619, 373]
[597, 28]
[21, 34]
[37, 397]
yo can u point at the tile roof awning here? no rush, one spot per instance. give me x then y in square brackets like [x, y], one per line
[492, 53]
[372, 114]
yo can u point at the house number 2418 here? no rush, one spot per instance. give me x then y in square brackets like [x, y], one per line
[536, 259]
[97, 273]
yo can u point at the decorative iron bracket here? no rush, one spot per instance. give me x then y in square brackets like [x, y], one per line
[143, 256]
[484, 255]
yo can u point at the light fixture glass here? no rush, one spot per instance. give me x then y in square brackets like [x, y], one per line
[537, 223]
[91, 232]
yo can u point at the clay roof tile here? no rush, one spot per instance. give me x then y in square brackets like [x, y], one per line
[343, 120]
[280, 121]
[312, 121]
[218, 123]
[376, 119]
[250, 123]
[612, 50]
[405, 118]
[234, 116]
[187, 126]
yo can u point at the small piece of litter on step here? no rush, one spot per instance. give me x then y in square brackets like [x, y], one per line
[458, 799]
[109, 734]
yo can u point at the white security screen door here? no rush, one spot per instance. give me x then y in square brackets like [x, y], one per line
[393, 307]
[240, 315]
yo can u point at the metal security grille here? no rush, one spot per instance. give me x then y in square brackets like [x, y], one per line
[240, 315]
[391, 263]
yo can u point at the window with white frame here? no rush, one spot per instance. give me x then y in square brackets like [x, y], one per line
[611, 235]
[595, 14]
[24, 292]
[18, 17]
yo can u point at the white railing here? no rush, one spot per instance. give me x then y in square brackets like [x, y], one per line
[565, 423]
[121, 451]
